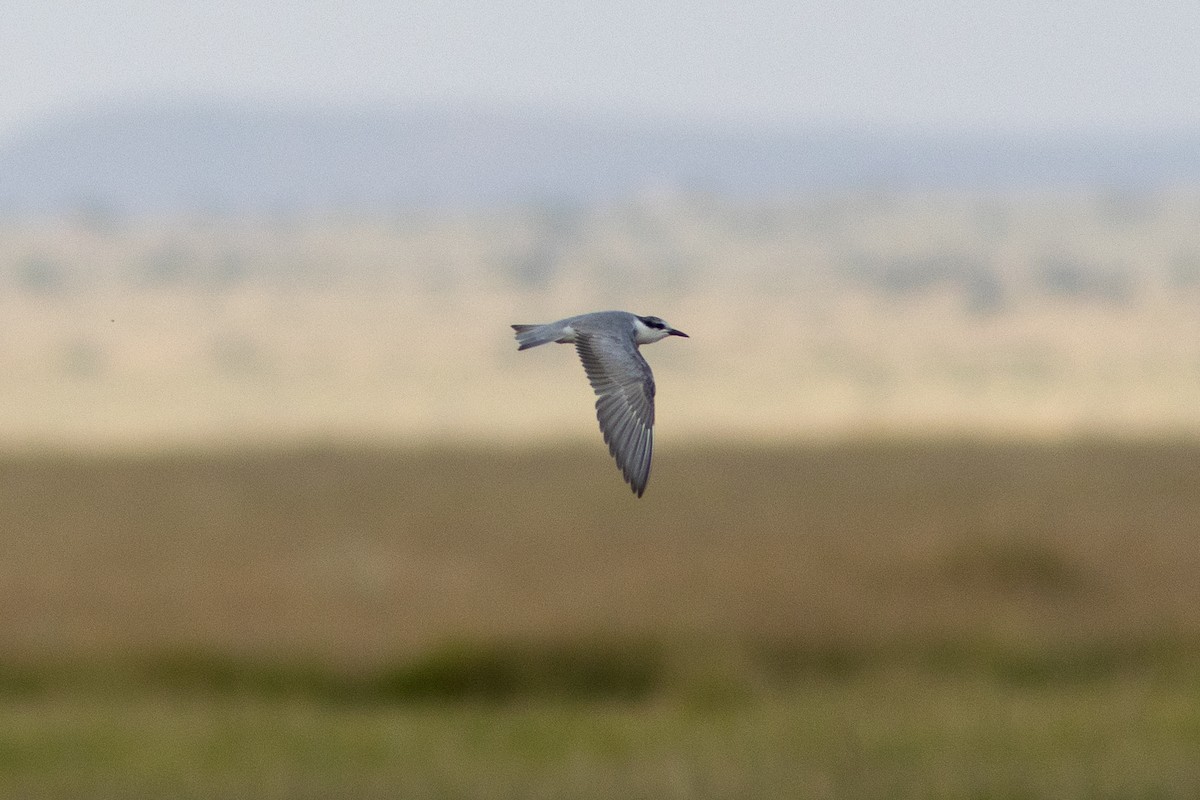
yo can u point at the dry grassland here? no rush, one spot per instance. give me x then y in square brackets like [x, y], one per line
[1068, 314]
[361, 557]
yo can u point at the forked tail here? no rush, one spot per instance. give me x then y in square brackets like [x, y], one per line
[532, 335]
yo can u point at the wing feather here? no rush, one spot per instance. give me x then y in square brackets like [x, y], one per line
[624, 386]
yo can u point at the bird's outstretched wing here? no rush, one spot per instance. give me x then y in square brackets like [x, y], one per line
[625, 403]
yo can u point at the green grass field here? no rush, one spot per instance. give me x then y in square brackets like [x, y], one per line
[924, 619]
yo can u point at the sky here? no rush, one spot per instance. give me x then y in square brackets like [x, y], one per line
[1038, 66]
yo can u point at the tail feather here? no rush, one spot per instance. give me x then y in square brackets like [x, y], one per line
[532, 335]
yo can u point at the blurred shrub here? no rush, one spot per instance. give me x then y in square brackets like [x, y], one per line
[1018, 563]
[585, 669]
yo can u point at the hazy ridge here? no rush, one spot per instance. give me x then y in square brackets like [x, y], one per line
[159, 157]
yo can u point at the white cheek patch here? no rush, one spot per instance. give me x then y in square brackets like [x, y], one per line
[644, 334]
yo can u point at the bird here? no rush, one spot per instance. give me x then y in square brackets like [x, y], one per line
[607, 343]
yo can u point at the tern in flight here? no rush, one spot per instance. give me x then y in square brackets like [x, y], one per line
[607, 342]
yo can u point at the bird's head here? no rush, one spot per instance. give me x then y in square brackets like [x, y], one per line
[652, 329]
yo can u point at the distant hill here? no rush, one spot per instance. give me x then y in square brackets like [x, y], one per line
[156, 158]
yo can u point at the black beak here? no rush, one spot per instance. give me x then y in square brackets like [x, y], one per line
[674, 332]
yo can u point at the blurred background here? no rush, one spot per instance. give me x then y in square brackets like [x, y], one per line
[285, 514]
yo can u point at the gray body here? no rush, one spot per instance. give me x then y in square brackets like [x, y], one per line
[607, 343]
